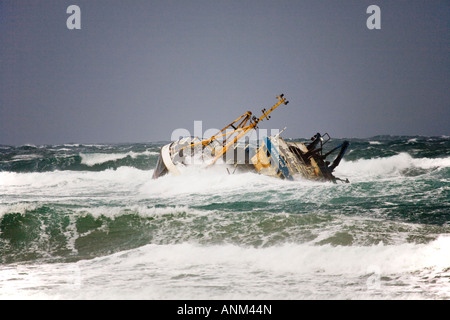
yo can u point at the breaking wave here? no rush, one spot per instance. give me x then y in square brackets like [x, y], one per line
[397, 165]
[91, 159]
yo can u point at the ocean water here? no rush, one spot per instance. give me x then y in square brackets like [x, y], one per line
[87, 222]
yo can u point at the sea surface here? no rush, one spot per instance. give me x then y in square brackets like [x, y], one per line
[86, 221]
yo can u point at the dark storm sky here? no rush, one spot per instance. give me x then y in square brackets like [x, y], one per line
[137, 70]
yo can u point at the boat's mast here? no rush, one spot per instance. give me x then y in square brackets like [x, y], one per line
[252, 125]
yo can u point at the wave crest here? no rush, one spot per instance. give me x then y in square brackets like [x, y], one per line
[396, 165]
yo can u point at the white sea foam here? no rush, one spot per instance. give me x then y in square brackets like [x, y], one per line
[141, 210]
[20, 207]
[387, 167]
[26, 157]
[290, 271]
[43, 186]
[216, 181]
[91, 159]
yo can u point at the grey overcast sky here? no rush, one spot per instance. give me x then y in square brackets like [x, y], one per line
[137, 70]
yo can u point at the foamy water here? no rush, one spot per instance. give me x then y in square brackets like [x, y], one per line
[98, 227]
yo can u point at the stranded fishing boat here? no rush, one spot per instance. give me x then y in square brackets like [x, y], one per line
[271, 156]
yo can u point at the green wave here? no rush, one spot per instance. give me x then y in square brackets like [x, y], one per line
[61, 233]
[399, 190]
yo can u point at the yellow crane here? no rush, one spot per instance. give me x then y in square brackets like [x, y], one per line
[240, 126]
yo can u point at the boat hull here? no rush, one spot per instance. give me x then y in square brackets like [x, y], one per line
[271, 156]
